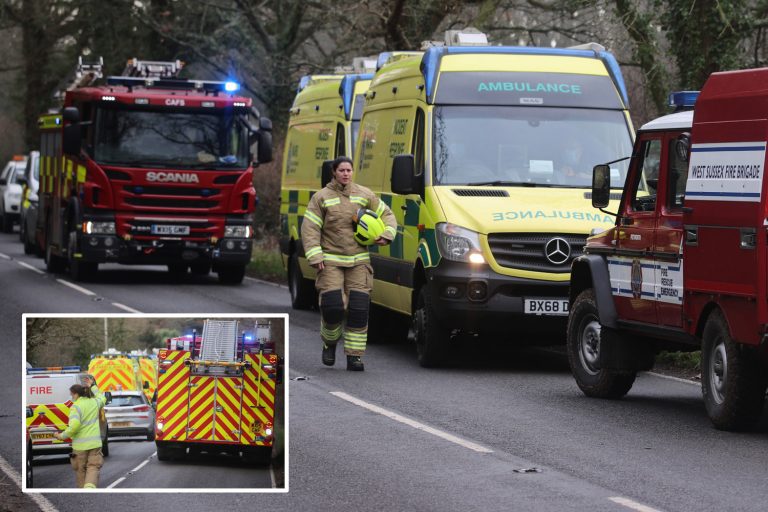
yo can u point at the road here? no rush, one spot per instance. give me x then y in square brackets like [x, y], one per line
[499, 429]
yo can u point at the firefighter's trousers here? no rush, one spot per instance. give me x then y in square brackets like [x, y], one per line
[345, 290]
[87, 464]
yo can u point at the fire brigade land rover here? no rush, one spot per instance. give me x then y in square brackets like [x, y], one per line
[150, 169]
[216, 393]
[686, 265]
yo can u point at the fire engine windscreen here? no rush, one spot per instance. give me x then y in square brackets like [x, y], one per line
[528, 146]
[166, 138]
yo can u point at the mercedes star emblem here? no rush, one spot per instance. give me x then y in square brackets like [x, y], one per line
[557, 251]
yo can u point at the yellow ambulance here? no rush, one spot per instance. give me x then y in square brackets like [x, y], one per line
[485, 155]
[323, 124]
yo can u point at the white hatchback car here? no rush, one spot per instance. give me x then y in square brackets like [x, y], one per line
[129, 414]
[10, 192]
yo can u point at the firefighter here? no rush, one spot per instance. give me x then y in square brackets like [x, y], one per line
[341, 220]
[84, 430]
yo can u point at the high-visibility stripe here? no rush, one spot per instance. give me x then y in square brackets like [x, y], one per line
[380, 209]
[330, 202]
[362, 201]
[314, 218]
[354, 345]
[81, 174]
[341, 258]
[392, 231]
[313, 251]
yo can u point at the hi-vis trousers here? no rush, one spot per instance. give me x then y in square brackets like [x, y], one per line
[345, 289]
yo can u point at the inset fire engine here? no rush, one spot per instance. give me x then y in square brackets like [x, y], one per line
[216, 393]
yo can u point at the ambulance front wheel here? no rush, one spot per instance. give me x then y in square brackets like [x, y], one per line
[431, 338]
[302, 290]
[732, 383]
[584, 343]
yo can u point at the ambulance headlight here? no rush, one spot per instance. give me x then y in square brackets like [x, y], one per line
[237, 231]
[99, 228]
[458, 243]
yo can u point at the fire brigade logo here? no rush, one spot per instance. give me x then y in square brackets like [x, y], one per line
[637, 279]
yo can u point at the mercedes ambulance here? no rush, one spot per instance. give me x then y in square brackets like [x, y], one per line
[484, 154]
[686, 265]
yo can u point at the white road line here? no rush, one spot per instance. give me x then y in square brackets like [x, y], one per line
[140, 466]
[261, 281]
[76, 287]
[125, 308]
[676, 379]
[412, 423]
[40, 500]
[4, 256]
[633, 504]
[30, 267]
[119, 480]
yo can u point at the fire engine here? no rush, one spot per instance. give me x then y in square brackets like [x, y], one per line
[149, 168]
[686, 265]
[216, 393]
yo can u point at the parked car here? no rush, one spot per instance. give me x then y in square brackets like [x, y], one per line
[129, 414]
[29, 199]
[10, 192]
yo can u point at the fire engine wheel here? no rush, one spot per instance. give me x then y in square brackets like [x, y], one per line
[151, 434]
[431, 338]
[732, 383]
[200, 268]
[257, 455]
[79, 270]
[231, 274]
[166, 452]
[584, 352]
[302, 290]
[54, 264]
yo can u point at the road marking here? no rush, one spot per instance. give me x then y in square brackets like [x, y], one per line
[40, 500]
[75, 287]
[4, 256]
[412, 423]
[140, 466]
[261, 281]
[676, 379]
[119, 480]
[126, 308]
[633, 504]
[30, 267]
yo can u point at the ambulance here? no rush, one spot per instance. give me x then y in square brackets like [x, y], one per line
[324, 122]
[48, 402]
[115, 371]
[686, 265]
[216, 393]
[484, 154]
[147, 369]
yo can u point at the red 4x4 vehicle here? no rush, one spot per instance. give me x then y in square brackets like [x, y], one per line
[686, 265]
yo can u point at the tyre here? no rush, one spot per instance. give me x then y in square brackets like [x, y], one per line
[431, 338]
[583, 345]
[201, 268]
[53, 264]
[29, 245]
[164, 452]
[30, 472]
[79, 270]
[21, 230]
[733, 384]
[177, 270]
[257, 455]
[302, 290]
[6, 223]
[105, 446]
[150, 434]
[231, 274]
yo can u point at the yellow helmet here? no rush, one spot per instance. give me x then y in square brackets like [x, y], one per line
[368, 227]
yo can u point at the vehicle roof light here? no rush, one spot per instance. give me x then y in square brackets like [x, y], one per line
[683, 100]
[108, 98]
[239, 103]
[347, 90]
[142, 101]
[231, 86]
[207, 104]
[57, 369]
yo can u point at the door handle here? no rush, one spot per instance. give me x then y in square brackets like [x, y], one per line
[404, 207]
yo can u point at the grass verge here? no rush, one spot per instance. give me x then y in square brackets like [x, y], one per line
[266, 262]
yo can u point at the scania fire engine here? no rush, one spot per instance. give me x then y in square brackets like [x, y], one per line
[149, 168]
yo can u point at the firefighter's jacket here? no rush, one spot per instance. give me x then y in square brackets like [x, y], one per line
[84, 421]
[328, 229]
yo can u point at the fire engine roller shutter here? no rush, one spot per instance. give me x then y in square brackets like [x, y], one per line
[258, 400]
[227, 409]
[201, 405]
[173, 397]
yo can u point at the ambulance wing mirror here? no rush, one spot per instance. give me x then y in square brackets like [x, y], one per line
[326, 173]
[108, 396]
[29, 412]
[403, 178]
[601, 186]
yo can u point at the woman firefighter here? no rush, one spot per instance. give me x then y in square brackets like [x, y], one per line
[341, 220]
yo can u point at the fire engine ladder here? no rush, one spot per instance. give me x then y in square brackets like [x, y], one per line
[218, 348]
[152, 68]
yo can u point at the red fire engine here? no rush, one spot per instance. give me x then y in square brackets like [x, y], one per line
[686, 266]
[150, 169]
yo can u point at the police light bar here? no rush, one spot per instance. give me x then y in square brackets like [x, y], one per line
[683, 100]
[173, 83]
[54, 369]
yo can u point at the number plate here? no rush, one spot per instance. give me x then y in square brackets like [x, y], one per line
[42, 436]
[166, 229]
[545, 307]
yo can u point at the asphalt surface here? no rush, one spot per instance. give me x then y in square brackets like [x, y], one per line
[500, 429]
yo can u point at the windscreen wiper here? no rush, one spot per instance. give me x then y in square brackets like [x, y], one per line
[500, 183]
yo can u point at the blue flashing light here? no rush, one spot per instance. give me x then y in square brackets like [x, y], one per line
[683, 100]
[430, 62]
[54, 369]
[347, 90]
[382, 59]
[231, 86]
[303, 82]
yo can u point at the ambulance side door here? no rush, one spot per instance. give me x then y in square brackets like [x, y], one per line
[632, 268]
[669, 232]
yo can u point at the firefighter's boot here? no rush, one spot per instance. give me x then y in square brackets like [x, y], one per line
[329, 354]
[355, 364]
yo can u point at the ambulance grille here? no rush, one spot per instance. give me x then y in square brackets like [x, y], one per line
[480, 192]
[219, 342]
[526, 251]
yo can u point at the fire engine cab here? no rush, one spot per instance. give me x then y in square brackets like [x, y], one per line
[686, 265]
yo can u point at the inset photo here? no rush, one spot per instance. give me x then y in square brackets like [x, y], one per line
[165, 403]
